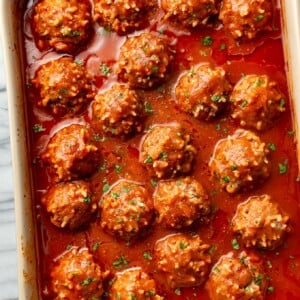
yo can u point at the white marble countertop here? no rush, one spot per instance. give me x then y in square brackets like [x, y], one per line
[8, 256]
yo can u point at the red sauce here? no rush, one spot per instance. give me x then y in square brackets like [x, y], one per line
[263, 55]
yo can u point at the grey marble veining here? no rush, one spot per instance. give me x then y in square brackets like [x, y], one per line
[8, 255]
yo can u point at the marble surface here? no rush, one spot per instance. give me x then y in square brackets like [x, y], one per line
[8, 255]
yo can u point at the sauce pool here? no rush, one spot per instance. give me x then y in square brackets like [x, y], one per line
[262, 56]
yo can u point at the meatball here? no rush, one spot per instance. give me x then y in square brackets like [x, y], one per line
[257, 102]
[64, 87]
[246, 18]
[238, 277]
[70, 204]
[133, 284]
[126, 210]
[77, 276]
[144, 60]
[203, 92]
[188, 13]
[166, 151]
[260, 222]
[64, 25]
[122, 16]
[118, 111]
[71, 153]
[183, 259]
[180, 202]
[240, 161]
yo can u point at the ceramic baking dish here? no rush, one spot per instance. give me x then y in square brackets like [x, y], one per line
[11, 31]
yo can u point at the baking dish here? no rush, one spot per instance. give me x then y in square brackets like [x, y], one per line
[11, 30]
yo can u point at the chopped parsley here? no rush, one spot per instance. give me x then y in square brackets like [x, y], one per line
[235, 244]
[153, 182]
[283, 167]
[68, 32]
[177, 291]
[105, 69]
[226, 179]
[118, 169]
[223, 47]
[96, 246]
[259, 18]
[147, 255]
[282, 103]
[182, 245]
[148, 108]
[105, 187]
[272, 146]
[121, 261]
[258, 279]
[148, 160]
[207, 41]
[38, 128]
[215, 98]
[163, 155]
[78, 61]
[87, 281]
[150, 293]
[87, 199]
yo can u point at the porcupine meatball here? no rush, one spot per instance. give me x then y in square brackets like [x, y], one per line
[246, 18]
[183, 259]
[188, 13]
[64, 87]
[126, 210]
[70, 204]
[180, 202]
[203, 91]
[260, 222]
[166, 151]
[257, 102]
[144, 60]
[240, 161]
[71, 153]
[237, 277]
[135, 284]
[122, 16]
[64, 25]
[77, 276]
[118, 111]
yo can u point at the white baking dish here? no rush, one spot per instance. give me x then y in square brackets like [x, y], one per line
[11, 30]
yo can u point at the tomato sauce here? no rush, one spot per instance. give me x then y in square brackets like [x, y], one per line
[263, 55]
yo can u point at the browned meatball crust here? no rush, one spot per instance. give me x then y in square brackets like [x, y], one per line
[118, 111]
[203, 91]
[237, 277]
[246, 18]
[64, 25]
[64, 86]
[240, 161]
[144, 60]
[70, 204]
[260, 222]
[134, 284]
[77, 276]
[126, 210]
[257, 101]
[166, 151]
[122, 16]
[189, 13]
[71, 153]
[180, 202]
[184, 260]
